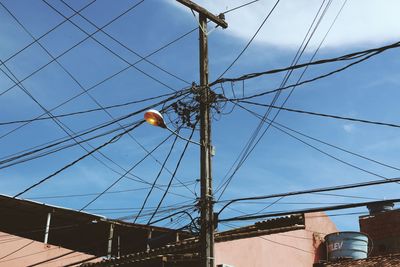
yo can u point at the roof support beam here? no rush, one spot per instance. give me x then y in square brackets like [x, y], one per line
[46, 233]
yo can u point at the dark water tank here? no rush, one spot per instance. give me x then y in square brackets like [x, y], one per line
[380, 207]
[346, 245]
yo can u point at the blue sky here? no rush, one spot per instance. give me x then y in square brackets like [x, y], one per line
[279, 163]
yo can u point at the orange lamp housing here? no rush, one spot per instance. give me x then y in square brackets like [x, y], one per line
[155, 118]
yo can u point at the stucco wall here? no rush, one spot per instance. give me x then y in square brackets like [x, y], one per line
[300, 248]
[28, 252]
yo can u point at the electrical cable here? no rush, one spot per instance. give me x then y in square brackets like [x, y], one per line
[46, 33]
[310, 210]
[88, 131]
[249, 42]
[346, 196]
[80, 85]
[32, 155]
[315, 190]
[247, 149]
[172, 206]
[346, 57]
[57, 121]
[30, 254]
[71, 252]
[149, 212]
[109, 192]
[104, 80]
[312, 79]
[326, 143]
[172, 177]
[75, 45]
[323, 152]
[296, 62]
[171, 215]
[324, 115]
[273, 241]
[241, 6]
[112, 140]
[156, 179]
[81, 112]
[121, 177]
[122, 44]
[250, 146]
[90, 35]
[173, 97]
[5, 238]
[61, 125]
[337, 147]
[18, 249]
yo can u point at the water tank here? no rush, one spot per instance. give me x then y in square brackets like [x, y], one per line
[346, 245]
[380, 207]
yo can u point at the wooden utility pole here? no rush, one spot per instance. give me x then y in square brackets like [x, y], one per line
[206, 200]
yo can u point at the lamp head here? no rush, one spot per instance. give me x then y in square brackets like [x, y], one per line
[154, 118]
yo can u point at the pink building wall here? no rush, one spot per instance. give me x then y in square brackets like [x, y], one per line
[299, 248]
[28, 252]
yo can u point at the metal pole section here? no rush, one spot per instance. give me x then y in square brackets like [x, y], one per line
[206, 201]
[119, 246]
[110, 238]
[46, 233]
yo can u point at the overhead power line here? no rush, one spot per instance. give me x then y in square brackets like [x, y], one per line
[316, 190]
[252, 143]
[30, 153]
[83, 89]
[54, 148]
[104, 80]
[157, 177]
[114, 139]
[309, 80]
[250, 41]
[310, 210]
[122, 176]
[120, 43]
[239, 7]
[46, 33]
[337, 147]
[81, 112]
[346, 57]
[91, 35]
[75, 45]
[316, 148]
[63, 126]
[109, 192]
[173, 176]
[323, 114]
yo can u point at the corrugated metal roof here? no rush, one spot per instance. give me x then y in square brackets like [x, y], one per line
[76, 230]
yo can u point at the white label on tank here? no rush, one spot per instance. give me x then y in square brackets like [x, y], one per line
[335, 246]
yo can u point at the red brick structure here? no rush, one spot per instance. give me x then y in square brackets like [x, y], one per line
[383, 228]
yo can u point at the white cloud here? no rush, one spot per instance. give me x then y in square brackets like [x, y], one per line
[349, 128]
[362, 22]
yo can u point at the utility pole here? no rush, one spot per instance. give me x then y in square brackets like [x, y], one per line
[206, 200]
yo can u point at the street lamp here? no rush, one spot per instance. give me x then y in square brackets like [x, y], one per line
[155, 118]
